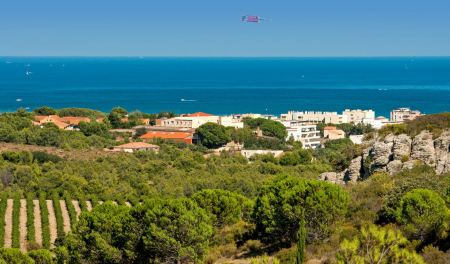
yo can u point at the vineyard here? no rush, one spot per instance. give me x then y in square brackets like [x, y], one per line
[29, 223]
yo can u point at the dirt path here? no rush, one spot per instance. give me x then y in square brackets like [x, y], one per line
[114, 202]
[23, 225]
[76, 204]
[65, 215]
[89, 205]
[8, 220]
[128, 204]
[37, 222]
[100, 202]
[52, 223]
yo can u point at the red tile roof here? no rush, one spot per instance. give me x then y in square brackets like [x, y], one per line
[329, 128]
[198, 114]
[135, 145]
[167, 135]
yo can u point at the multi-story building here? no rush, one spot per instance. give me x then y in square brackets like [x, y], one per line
[228, 121]
[181, 122]
[331, 132]
[353, 116]
[404, 114]
[315, 117]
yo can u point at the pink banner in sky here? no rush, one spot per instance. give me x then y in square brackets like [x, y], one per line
[250, 18]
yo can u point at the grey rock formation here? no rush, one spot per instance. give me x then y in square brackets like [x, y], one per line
[408, 165]
[394, 167]
[422, 148]
[332, 177]
[381, 153]
[442, 150]
[401, 147]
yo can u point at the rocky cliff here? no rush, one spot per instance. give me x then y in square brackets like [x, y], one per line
[394, 154]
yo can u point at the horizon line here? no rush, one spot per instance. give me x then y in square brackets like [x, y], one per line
[136, 56]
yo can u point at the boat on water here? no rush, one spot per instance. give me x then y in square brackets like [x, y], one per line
[28, 73]
[19, 100]
[182, 100]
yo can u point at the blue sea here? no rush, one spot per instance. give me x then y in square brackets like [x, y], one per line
[226, 85]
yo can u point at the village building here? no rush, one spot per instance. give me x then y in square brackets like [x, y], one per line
[331, 133]
[189, 138]
[134, 146]
[315, 117]
[404, 114]
[228, 121]
[354, 116]
[250, 152]
[301, 131]
[181, 122]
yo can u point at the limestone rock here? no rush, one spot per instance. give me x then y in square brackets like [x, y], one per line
[408, 165]
[442, 149]
[354, 170]
[423, 148]
[332, 177]
[381, 153]
[394, 167]
[401, 147]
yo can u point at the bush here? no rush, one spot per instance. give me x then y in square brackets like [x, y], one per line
[3, 204]
[405, 158]
[94, 201]
[82, 203]
[16, 221]
[14, 256]
[252, 245]
[41, 256]
[42, 157]
[31, 233]
[424, 213]
[70, 209]
[58, 215]
[45, 221]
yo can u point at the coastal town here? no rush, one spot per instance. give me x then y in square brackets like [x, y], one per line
[301, 126]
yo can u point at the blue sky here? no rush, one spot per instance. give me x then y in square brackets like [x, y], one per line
[323, 28]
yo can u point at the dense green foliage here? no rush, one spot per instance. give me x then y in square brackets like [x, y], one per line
[16, 221]
[349, 129]
[269, 128]
[82, 202]
[172, 231]
[31, 232]
[301, 241]
[424, 213]
[42, 256]
[44, 221]
[14, 256]
[224, 207]
[3, 204]
[70, 209]
[58, 215]
[212, 135]
[278, 207]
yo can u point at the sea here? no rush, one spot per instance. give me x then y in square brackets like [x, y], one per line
[224, 86]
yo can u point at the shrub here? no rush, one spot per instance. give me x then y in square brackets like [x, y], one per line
[58, 215]
[31, 233]
[252, 245]
[41, 256]
[16, 222]
[42, 157]
[3, 204]
[133, 201]
[45, 221]
[405, 158]
[82, 203]
[94, 201]
[70, 209]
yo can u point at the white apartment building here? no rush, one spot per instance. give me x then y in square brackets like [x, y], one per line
[375, 123]
[183, 122]
[315, 117]
[228, 121]
[404, 114]
[353, 116]
[250, 152]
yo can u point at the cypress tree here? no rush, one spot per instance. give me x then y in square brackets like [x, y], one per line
[301, 240]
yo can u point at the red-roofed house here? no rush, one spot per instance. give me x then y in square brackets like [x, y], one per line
[176, 136]
[130, 147]
[333, 134]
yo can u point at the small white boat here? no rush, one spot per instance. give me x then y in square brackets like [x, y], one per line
[19, 100]
[182, 99]
[28, 73]
[303, 76]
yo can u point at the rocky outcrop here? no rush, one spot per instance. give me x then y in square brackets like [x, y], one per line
[422, 148]
[394, 154]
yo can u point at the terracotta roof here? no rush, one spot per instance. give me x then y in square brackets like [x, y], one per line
[167, 135]
[337, 132]
[35, 123]
[74, 120]
[198, 114]
[329, 128]
[135, 145]
[279, 155]
[209, 154]
[60, 124]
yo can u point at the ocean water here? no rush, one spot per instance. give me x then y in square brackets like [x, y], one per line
[226, 85]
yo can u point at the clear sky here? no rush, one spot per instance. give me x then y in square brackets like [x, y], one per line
[214, 28]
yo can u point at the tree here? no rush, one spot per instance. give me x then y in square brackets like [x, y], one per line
[377, 245]
[424, 213]
[301, 240]
[114, 120]
[140, 132]
[44, 111]
[119, 111]
[277, 211]
[291, 140]
[212, 135]
[224, 207]
[14, 256]
[41, 256]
